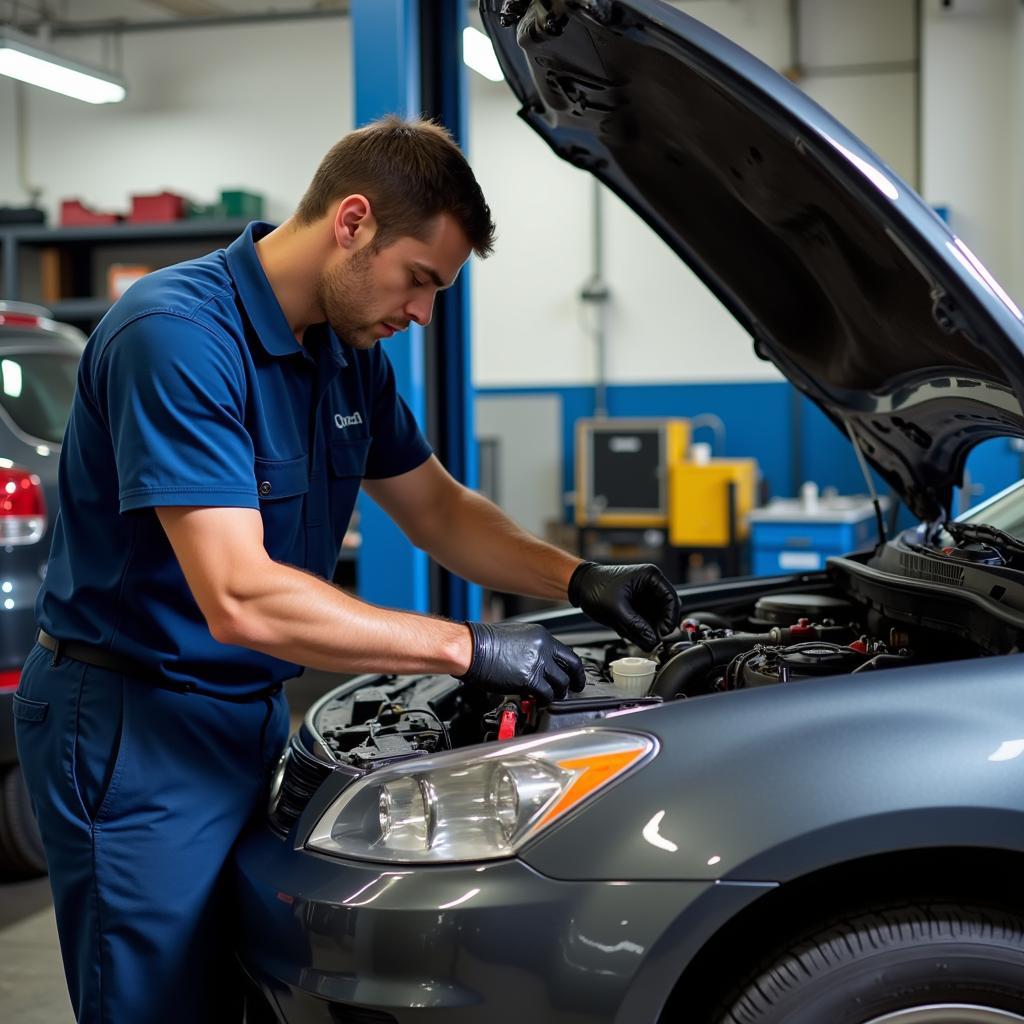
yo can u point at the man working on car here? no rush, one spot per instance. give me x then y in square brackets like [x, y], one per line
[227, 411]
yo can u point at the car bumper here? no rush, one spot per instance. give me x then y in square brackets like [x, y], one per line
[17, 634]
[328, 939]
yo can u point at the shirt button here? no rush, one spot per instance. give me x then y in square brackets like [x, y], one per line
[264, 488]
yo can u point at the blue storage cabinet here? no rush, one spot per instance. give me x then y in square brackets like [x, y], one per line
[788, 535]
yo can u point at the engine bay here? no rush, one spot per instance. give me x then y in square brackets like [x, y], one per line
[775, 639]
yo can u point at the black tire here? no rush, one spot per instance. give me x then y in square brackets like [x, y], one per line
[902, 958]
[21, 849]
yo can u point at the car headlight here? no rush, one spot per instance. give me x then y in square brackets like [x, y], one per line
[478, 804]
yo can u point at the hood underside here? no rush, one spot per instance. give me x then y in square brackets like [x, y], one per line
[844, 277]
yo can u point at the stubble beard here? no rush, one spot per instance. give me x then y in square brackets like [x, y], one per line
[344, 296]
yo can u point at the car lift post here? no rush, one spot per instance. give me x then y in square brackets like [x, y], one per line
[407, 58]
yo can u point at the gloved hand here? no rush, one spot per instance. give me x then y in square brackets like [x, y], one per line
[519, 658]
[634, 600]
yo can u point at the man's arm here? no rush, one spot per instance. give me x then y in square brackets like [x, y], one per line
[249, 599]
[470, 535]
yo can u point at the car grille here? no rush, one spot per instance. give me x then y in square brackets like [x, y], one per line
[302, 777]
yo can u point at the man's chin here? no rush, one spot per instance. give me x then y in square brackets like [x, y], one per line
[361, 339]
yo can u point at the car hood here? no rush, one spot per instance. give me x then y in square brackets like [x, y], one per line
[846, 280]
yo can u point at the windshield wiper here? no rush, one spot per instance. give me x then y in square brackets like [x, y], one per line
[1004, 542]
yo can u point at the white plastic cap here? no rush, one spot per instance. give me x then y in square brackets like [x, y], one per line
[700, 453]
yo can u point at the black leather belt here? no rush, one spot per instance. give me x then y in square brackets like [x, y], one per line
[99, 658]
[90, 655]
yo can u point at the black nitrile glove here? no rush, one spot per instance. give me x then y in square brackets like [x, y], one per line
[634, 600]
[519, 658]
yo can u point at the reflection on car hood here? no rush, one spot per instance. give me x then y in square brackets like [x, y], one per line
[843, 276]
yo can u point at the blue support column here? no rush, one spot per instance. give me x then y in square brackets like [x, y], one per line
[386, 48]
[445, 94]
[408, 61]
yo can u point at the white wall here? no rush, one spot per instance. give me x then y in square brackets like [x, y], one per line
[877, 105]
[529, 327]
[973, 126]
[1016, 221]
[246, 107]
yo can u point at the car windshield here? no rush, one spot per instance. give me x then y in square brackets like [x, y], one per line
[1005, 512]
[36, 389]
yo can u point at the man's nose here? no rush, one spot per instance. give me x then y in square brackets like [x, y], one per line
[420, 310]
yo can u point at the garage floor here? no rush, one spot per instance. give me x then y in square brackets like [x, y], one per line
[32, 989]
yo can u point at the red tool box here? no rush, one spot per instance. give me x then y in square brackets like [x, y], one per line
[160, 207]
[75, 214]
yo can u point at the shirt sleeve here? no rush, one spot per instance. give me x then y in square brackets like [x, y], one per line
[398, 444]
[173, 394]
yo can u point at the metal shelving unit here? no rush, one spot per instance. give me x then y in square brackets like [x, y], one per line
[79, 248]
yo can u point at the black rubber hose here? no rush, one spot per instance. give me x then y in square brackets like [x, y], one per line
[682, 672]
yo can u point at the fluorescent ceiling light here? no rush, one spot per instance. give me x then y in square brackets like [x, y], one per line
[20, 58]
[478, 53]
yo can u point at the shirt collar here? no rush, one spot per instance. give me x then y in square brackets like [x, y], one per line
[261, 305]
[335, 347]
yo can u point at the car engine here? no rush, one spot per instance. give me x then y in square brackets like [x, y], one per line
[783, 638]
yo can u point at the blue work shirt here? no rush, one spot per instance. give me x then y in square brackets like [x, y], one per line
[193, 391]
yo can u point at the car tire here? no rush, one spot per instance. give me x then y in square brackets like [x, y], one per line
[936, 963]
[21, 848]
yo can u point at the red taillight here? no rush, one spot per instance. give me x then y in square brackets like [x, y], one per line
[22, 507]
[9, 680]
[18, 320]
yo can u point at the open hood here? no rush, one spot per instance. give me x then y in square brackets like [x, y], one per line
[843, 276]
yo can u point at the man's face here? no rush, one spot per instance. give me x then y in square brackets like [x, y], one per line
[372, 295]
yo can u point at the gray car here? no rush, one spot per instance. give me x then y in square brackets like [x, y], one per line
[38, 364]
[814, 813]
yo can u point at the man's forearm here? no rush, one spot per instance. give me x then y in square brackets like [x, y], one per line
[298, 617]
[480, 543]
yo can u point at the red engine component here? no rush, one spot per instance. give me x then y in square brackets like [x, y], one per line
[508, 723]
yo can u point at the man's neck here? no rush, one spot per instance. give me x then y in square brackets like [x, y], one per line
[292, 259]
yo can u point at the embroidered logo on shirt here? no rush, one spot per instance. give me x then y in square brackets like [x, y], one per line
[347, 421]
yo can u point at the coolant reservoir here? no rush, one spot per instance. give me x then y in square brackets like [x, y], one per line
[633, 675]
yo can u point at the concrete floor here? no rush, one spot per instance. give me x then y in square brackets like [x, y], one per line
[32, 988]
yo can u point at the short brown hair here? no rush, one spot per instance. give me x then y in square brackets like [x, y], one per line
[411, 171]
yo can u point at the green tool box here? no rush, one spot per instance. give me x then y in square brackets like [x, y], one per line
[233, 204]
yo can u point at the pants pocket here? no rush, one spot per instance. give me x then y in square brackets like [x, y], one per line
[29, 710]
[99, 740]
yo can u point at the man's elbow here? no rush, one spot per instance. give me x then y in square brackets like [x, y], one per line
[232, 616]
[228, 625]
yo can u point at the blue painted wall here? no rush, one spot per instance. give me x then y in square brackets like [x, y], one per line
[759, 421]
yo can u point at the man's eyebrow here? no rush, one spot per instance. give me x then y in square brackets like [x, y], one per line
[432, 274]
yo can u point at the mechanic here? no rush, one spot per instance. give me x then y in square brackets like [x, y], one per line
[228, 410]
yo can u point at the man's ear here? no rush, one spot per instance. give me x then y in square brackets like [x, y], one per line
[354, 222]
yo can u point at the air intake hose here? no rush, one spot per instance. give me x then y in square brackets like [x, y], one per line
[685, 673]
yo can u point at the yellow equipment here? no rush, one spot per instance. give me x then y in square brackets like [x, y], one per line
[699, 501]
[622, 470]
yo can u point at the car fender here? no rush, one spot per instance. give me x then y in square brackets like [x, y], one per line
[769, 784]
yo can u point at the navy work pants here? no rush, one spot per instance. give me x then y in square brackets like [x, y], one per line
[140, 794]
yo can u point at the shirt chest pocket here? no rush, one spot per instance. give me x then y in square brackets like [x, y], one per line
[347, 460]
[282, 485]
